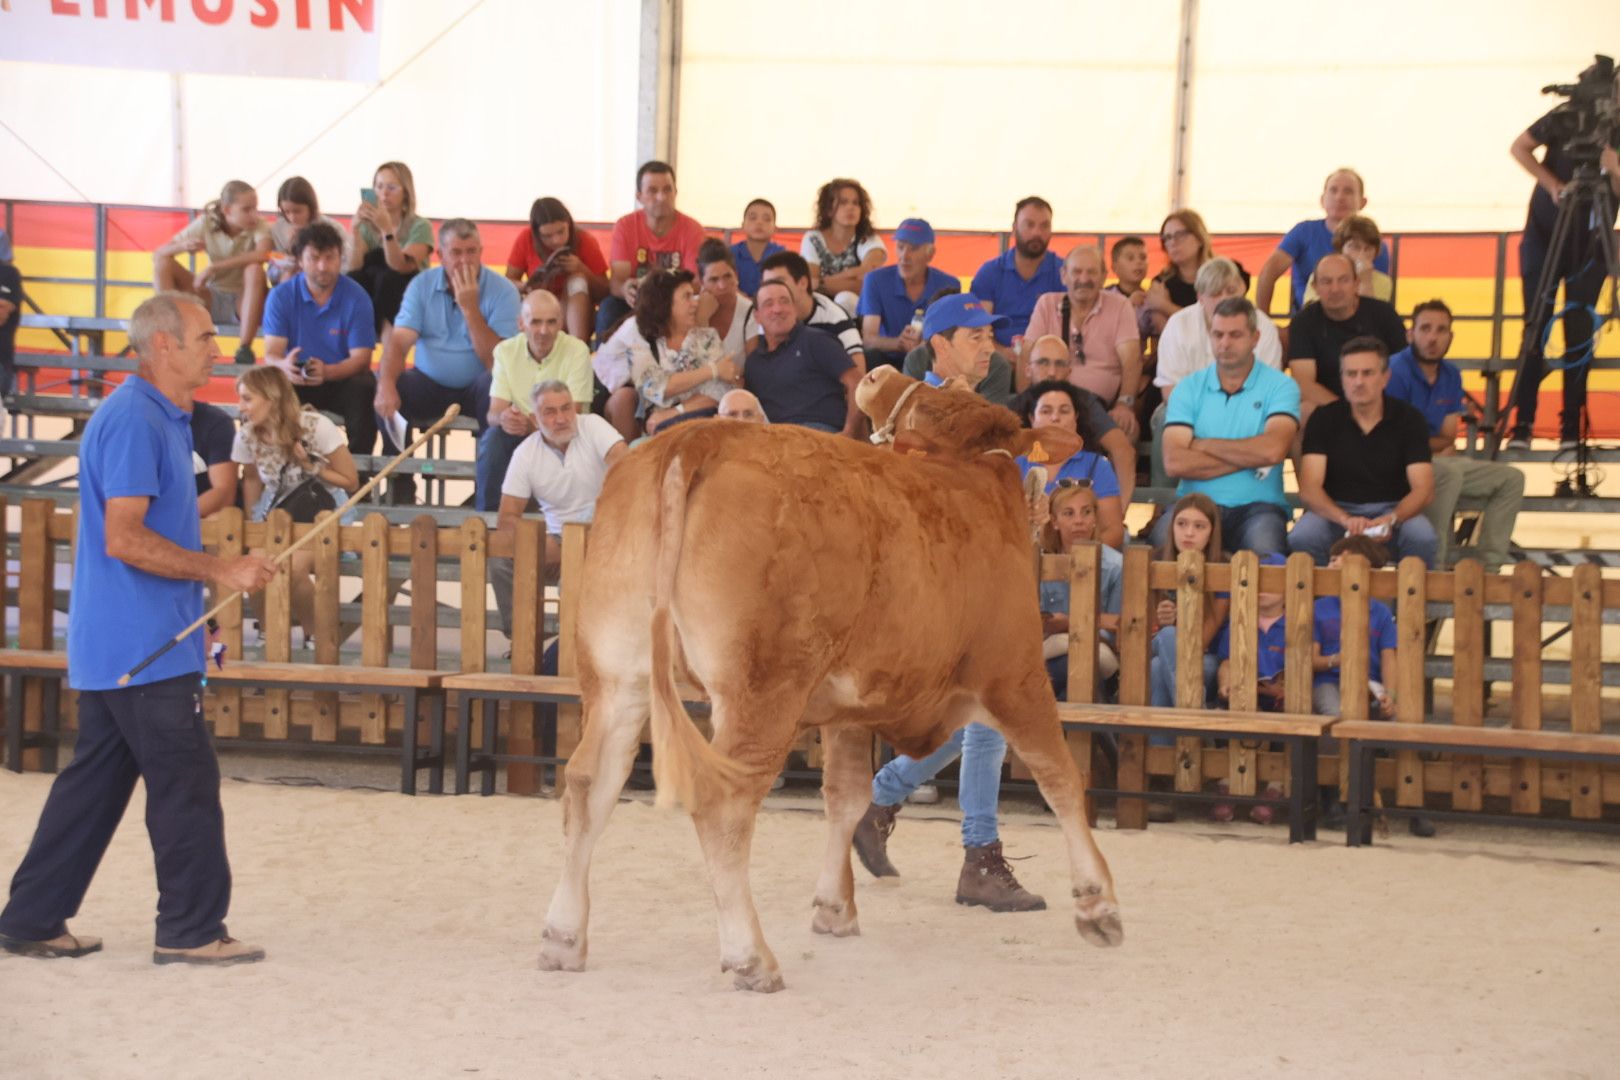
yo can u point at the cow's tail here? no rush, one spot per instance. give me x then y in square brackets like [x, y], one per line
[687, 769]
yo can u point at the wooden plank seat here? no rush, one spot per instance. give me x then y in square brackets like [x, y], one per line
[490, 686]
[50, 668]
[411, 685]
[1363, 738]
[1300, 733]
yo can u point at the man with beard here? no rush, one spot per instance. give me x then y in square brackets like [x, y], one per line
[1011, 283]
[319, 329]
[1421, 376]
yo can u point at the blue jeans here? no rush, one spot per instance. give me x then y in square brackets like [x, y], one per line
[1316, 534]
[1162, 676]
[153, 732]
[1261, 527]
[982, 750]
[495, 450]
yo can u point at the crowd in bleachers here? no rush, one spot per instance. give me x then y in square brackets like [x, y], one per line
[573, 353]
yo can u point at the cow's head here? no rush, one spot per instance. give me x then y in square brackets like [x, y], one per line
[952, 420]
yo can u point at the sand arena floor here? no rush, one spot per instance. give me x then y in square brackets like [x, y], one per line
[403, 934]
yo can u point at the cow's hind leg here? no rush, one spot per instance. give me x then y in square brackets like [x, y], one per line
[1028, 718]
[846, 788]
[596, 773]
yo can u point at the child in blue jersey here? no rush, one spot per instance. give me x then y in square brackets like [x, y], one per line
[1328, 622]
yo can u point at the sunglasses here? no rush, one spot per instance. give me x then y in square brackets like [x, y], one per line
[1074, 482]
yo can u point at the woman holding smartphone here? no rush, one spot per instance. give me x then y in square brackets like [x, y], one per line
[391, 244]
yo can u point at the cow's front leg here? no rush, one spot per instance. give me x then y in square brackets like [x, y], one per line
[595, 775]
[725, 830]
[1032, 729]
[846, 788]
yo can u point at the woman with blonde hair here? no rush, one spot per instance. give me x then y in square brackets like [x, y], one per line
[1074, 521]
[237, 243]
[1185, 241]
[281, 444]
[391, 243]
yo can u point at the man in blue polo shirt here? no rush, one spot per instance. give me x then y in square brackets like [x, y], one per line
[1012, 282]
[1343, 194]
[893, 298]
[1421, 376]
[1228, 428]
[319, 329]
[137, 574]
[800, 377]
[453, 315]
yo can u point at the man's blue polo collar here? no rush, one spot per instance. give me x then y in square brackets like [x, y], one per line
[170, 409]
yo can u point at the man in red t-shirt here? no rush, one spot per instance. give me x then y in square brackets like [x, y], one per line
[656, 237]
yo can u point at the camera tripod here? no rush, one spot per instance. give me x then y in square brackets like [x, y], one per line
[1587, 194]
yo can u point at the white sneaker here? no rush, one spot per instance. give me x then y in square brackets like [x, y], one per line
[925, 795]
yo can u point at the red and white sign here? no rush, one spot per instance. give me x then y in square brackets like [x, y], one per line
[307, 39]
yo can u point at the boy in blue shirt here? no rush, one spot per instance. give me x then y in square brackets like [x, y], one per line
[759, 228]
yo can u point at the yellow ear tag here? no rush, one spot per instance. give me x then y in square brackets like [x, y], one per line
[914, 452]
[1037, 454]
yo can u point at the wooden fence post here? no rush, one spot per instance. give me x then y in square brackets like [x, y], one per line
[277, 622]
[376, 637]
[1411, 650]
[1586, 685]
[1084, 571]
[424, 600]
[1242, 763]
[36, 608]
[1468, 678]
[1135, 630]
[328, 583]
[1299, 673]
[1526, 772]
[1190, 600]
[1354, 593]
[230, 533]
[528, 604]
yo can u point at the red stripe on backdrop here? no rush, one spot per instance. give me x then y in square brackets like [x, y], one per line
[1448, 256]
[53, 226]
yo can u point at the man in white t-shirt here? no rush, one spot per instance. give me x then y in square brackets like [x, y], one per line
[561, 467]
[1184, 347]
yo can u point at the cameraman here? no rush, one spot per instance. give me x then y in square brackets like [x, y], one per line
[1582, 270]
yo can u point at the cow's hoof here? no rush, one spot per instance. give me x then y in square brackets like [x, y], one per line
[561, 950]
[754, 975]
[1105, 930]
[836, 918]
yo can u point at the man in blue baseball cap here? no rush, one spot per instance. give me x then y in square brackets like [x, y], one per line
[894, 298]
[958, 342]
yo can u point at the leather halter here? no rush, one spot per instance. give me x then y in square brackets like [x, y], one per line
[885, 434]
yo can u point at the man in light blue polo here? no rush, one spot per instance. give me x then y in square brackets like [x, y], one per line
[453, 315]
[1012, 281]
[319, 329]
[137, 582]
[1227, 430]
[893, 298]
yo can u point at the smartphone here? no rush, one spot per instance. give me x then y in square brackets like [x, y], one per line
[369, 195]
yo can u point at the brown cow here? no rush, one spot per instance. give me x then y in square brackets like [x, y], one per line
[805, 580]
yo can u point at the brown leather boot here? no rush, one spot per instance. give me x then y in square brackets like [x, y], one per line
[988, 881]
[872, 840]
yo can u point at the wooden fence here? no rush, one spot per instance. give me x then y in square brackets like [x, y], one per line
[400, 570]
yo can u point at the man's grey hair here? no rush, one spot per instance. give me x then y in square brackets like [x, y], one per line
[458, 228]
[1238, 305]
[161, 315]
[550, 386]
[1216, 276]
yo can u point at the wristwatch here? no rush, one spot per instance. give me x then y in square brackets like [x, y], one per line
[1126, 400]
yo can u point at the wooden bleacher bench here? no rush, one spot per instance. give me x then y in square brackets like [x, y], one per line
[1364, 737]
[50, 668]
[410, 684]
[1299, 732]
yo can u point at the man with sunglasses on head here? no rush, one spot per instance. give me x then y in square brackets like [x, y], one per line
[1100, 327]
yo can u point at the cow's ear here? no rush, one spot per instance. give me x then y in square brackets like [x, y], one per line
[1048, 444]
[914, 444]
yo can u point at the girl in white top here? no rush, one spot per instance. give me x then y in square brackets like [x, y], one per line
[843, 247]
[237, 242]
[279, 444]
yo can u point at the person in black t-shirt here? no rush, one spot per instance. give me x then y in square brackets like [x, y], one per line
[213, 433]
[10, 314]
[1581, 270]
[1366, 469]
[1322, 328]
